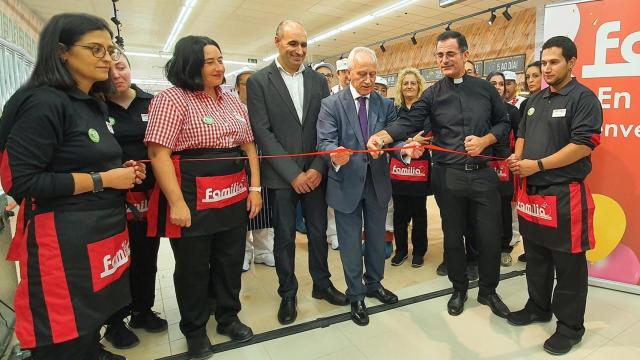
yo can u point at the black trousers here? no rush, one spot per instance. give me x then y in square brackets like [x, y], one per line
[406, 209]
[569, 298]
[314, 210]
[85, 347]
[142, 271]
[197, 260]
[462, 194]
[506, 223]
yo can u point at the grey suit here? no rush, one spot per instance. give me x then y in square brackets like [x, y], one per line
[359, 189]
[278, 130]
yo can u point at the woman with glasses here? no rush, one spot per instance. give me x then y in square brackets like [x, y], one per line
[64, 165]
[410, 183]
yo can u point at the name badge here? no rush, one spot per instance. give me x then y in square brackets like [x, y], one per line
[240, 118]
[559, 113]
[144, 117]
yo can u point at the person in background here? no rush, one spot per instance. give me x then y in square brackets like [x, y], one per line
[128, 106]
[259, 244]
[190, 121]
[381, 86]
[325, 69]
[511, 89]
[410, 183]
[504, 149]
[470, 68]
[62, 164]
[343, 76]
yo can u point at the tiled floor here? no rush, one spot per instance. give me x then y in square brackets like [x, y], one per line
[422, 331]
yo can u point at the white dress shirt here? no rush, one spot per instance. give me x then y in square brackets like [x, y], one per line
[356, 95]
[295, 85]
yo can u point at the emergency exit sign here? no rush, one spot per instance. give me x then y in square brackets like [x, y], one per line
[252, 61]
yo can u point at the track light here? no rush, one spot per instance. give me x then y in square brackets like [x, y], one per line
[492, 19]
[382, 47]
[413, 40]
[506, 14]
[448, 28]
[115, 21]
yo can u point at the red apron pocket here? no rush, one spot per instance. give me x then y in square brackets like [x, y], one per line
[109, 258]
[501, 168]
[215, 192]
[417, 170]
[137, 199]
[538, 209]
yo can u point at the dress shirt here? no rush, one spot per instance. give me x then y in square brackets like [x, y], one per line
[295, 85]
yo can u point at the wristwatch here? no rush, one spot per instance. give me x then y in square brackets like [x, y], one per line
[540, 166]
[257, 189]
[97, 182]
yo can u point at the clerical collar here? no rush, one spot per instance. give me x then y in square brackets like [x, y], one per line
[458, 81]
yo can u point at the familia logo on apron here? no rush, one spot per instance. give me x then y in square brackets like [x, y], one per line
[215, 192]
[108, 258]
[140, 201]
[537, 209]
[501, 168]
[417, 170]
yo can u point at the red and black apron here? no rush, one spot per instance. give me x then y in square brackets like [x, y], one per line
[505, 186]
[411, 179]
[214, 190]
[559, 216]
[74, 261]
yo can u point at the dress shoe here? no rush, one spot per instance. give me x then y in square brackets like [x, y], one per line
[385, 296]
[522, 257]
[417, 261]
[495, 303]
[148, 320]
[398, 259]
[287, 312]
[120, 336]
[266, 259]
[455, 306]
[441, 270]
[526, 317]
[359, 313]
[472, 271]
[237, 331]
[199, 347]
[559, 344]
[331, 295]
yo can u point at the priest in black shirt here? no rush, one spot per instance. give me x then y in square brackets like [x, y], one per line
[560, 129]
[465, 114]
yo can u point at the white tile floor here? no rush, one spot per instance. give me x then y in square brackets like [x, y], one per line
[421, 331]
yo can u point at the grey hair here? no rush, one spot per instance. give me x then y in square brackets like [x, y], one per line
[361, 50]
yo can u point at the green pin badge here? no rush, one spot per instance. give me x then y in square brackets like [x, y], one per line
[207, 120]
[531, 111]
[93, 135]
[111, 121]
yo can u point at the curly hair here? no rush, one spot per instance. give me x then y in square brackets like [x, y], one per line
[422, 84]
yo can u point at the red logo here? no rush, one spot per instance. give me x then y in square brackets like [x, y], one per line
[502, 169]
[538, 209]
[139, 201]
[417, 170]
[215, 192]
[108, 258]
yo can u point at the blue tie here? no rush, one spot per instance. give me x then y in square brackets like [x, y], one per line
[362, 116]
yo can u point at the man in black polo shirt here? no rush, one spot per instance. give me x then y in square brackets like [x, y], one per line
[555, 209]
[466, 114]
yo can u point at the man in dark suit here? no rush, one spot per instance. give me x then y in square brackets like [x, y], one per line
[283, 102]
[358, 187]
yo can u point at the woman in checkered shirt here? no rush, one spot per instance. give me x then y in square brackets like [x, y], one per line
[201, 203]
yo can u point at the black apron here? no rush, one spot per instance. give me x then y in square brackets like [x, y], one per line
[215, 192]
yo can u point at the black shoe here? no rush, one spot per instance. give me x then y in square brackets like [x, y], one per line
[331, 295]
[455, 306]
[120, 336]
[359, 313]
[199, 347]
[472, 271]
[522, 258]
[106, 355]
[148, 320]
[442, 269]
[398, 259]
[495, 303]
[385, 296]
[559, 344]
[526, 317]
[417, 261]
[287, 312]
[237, 331]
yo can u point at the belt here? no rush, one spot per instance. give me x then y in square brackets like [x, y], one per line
[465, 167]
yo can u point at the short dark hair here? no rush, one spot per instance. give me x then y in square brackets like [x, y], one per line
[462, 41]
[537, 64]
[184, 69]
[60, 33]
[567, 45]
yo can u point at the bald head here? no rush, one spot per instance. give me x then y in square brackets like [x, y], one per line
[291, 41]
[286, 24]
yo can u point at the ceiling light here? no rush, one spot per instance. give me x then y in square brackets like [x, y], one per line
[177, 27]
[352, 24]
[413, 40]
[448, 28]
[506, 14]
[492, 19]
[168, 56]
[382, 47]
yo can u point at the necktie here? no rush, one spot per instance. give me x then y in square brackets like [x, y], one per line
[362, 116]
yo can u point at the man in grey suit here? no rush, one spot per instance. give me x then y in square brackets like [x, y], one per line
[283, 102]
[358, 186]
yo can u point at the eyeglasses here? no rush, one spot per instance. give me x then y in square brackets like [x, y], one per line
[328, 75]
[100, 51]
[448, 55]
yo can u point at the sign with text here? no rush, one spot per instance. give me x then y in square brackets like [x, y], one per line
[511, 63]
[431, 74]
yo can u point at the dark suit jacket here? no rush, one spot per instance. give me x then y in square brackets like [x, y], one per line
[276, 126]
[338, 125]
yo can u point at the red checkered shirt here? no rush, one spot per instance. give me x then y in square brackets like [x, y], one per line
[180, 119]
